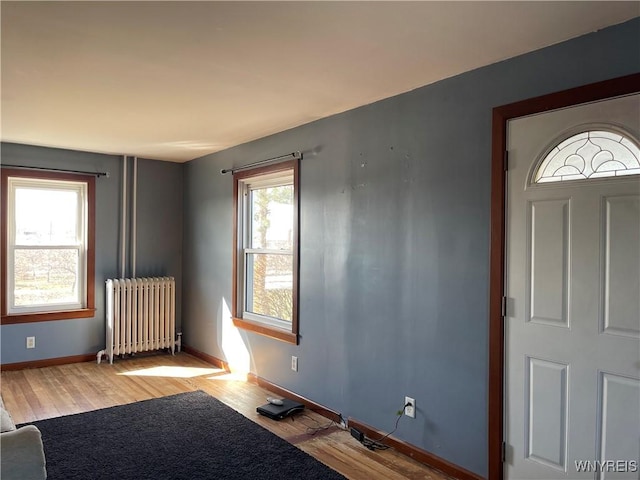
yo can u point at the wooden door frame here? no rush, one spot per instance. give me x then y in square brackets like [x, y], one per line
[501, 115]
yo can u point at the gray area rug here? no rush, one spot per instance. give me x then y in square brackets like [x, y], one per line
[186, 436]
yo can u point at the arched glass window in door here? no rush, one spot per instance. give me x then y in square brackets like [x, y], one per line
[590, 154]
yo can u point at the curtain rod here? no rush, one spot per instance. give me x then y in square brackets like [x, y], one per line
[293, 156]
[62, 170]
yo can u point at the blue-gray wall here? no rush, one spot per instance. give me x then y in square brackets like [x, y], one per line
[159, 244]
[395, 209]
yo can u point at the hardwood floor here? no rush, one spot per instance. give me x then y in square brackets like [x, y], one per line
[36, 394]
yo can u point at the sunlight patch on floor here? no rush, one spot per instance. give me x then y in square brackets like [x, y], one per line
[233, 376]
[174, 372]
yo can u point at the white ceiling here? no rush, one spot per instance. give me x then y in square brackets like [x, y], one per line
[178, 80]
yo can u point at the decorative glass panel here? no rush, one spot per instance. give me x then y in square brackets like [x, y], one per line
[592, 154]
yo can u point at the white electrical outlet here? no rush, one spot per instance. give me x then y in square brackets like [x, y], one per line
[294, 363]
[31, 342]
[410, 410]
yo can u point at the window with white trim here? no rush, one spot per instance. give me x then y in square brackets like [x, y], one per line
[48, 253]
[266, 255]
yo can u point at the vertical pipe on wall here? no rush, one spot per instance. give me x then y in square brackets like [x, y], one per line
[134, 197]
[123, 226]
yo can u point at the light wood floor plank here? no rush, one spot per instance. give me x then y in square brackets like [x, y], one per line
[37, 394]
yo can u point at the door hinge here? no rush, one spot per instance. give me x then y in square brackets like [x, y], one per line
[506, 160]
[504, 452]
[503, 307]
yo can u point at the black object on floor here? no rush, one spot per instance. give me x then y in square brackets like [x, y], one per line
[278, 412]
[188, 436]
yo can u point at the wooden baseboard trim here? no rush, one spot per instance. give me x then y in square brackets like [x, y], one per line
[48, 362]
[310, 404]
[253, 378]
[416, 453]
[206, 357]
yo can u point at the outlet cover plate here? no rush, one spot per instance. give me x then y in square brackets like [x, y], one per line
[410, 411]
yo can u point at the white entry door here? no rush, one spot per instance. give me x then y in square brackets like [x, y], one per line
[572, 326]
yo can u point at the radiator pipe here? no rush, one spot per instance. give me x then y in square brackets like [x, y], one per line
[134, 198]
[123, 233]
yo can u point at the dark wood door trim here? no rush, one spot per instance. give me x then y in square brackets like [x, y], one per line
[501, 115]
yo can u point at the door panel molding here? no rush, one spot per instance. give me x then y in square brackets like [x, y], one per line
[547, 389]
[500, 116]
[549, 246]
[617, 395]
[620, 279]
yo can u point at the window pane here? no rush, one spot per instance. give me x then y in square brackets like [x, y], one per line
[46, 217]
[272, 217]
[45, 277]
[270, 285]
[592, 154]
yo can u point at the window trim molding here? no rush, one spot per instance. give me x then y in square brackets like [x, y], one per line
[89, 310]
[285, 335]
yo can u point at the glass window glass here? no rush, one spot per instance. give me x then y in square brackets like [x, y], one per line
[270, 285]
[46, 217]
[46, 277]
[591, 154]
[272, 218]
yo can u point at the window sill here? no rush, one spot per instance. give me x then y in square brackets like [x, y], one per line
[47, 316]
[266, 330]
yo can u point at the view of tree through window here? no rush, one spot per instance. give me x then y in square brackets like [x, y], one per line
[269, 258]
[44, 277]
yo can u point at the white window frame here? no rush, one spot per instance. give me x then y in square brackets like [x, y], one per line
[245, 187]
[80, 244]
